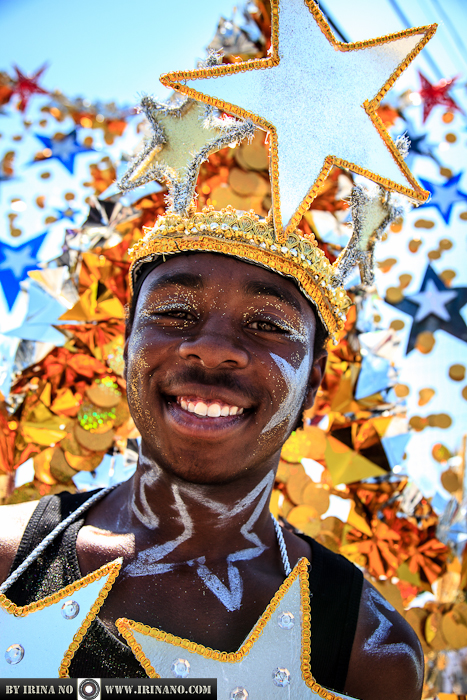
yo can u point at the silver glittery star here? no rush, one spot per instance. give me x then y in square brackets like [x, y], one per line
[269, 663]
[36, 637]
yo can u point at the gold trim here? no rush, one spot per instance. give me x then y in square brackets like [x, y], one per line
[112, 568]
[127, 627]
[172, 80]
[245, 236]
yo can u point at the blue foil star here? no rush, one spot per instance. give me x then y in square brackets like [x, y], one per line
[443, 197]
[435, 307]
[15, 263]
[65, 150]
[419, 146]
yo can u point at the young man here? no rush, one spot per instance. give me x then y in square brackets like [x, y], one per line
[222, 357]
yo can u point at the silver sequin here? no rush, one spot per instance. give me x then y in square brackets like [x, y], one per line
[281, 677]
[70, 609]
[14, 654]
[180, 668]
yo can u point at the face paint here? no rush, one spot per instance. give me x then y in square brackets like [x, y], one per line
[146, 515]
[296, 380]
[376, 643]
[144, 562]
[148, 561]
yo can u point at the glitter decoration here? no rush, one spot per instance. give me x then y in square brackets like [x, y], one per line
[185, 133]
[307, 75]
[180, 668]
[70, 609]
[93, 418]
[371, 215]
[246, 236]
[154, 648]
[238, 694]
[281, 677]
[14, 654]
[286, 620]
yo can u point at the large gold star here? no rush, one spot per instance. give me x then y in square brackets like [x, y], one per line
[318, 99]
[273, 661]
[184, 135]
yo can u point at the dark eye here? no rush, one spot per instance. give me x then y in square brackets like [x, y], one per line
[266, 326]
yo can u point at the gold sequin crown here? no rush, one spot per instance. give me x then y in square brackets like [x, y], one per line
[246, 236]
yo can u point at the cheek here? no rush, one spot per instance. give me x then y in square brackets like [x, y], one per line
[136, 373]
[294, 382]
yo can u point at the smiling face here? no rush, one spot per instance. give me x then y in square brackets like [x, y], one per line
[219, 365]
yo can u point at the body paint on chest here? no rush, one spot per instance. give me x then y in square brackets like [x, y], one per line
[149, 561]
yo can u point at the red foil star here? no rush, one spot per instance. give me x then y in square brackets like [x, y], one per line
[433, 95]
[27, 85]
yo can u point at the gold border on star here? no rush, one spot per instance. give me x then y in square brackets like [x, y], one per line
[113, 568]
[127, 627]
[417, 193]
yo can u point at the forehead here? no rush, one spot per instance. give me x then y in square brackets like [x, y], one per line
[224, 275]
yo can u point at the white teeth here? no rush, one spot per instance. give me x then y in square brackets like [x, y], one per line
[201, 409]
[214, 410]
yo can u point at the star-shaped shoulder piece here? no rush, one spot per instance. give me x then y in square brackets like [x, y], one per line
[275, 655]
[40, 639]
[184, 135]
[318, 99]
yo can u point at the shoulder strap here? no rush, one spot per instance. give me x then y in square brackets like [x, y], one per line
[49, 512]
[336, 588]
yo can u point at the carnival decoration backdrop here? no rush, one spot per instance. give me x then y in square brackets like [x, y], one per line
[378, 471]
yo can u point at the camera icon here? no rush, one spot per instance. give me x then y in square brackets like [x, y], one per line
[89, 689]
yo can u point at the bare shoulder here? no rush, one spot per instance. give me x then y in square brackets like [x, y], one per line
[387, 659]
[13, 521]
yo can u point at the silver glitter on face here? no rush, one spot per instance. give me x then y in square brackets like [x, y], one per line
[296, 381]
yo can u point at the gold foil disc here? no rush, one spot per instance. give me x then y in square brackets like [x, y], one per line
[97, 442]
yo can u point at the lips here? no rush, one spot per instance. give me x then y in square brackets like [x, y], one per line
[210, 408]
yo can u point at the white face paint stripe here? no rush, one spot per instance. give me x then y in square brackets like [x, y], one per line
[296, 380]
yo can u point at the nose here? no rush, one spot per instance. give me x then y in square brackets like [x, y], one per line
[215, 346]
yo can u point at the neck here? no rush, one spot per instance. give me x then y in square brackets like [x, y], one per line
[185, 522]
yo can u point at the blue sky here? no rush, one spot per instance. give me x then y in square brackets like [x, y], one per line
[116, 49]
[107, 49]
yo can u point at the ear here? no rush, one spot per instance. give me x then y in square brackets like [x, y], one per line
[316, 377]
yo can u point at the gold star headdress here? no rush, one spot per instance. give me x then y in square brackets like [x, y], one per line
[317, 98]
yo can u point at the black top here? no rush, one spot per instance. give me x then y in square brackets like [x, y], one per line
[335, 587]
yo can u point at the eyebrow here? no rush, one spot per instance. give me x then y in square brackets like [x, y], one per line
[255, 288]
[180, 279]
